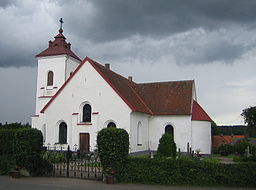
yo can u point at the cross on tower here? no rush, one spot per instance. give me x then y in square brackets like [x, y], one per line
[61, 22]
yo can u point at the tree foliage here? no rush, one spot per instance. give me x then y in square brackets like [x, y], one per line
[215, 129]
[249, 115]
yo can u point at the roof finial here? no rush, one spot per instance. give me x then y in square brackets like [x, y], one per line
[61, 22]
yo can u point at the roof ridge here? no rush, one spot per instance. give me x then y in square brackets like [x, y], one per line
[160, 82]
[114, 72]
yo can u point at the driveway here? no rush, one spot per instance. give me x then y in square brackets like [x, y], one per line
[49, 183]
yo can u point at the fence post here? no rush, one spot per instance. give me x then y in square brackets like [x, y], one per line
[68, 157]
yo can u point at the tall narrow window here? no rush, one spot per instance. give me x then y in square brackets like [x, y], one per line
[87, 112]
[169, 129]
[139, 134]
[50, 78]
[63, 133]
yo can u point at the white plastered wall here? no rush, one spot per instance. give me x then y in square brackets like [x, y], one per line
[61, 66]
[71, 65]
[181, 126]
[137, 117]
[86, 86]
[201, 136]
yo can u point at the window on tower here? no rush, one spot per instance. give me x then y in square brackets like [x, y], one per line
[50, 78]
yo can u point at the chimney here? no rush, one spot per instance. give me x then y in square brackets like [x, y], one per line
[69, 45]
[50, 43]
[130, 78]
[107, 65]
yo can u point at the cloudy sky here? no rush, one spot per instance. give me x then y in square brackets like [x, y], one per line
[212, 42]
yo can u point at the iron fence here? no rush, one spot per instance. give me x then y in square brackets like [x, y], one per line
[71, 163]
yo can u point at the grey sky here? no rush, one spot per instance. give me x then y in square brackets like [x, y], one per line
[213, 42]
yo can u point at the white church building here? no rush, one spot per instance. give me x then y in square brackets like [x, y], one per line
[76, 98]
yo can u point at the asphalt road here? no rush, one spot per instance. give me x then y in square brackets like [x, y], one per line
[49, 183]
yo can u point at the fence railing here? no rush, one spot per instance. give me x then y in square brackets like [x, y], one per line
[70, 163]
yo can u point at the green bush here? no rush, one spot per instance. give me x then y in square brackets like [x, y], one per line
[6, 141]
[251, 158]
[27, 147]
[7, 163]
[167, 146]
[14, 126]
[41, 166]
[226, 149]
[23, 145]
[187, 172]
[113, 147]
[241, 146]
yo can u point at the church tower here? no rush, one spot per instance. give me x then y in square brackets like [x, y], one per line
[55, 65]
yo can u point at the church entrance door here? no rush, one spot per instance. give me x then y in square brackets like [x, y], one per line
[84, 142]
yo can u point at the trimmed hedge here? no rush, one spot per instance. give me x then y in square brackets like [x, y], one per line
[23, 145]
[183, 172]
[113, 147]
[7, 163]
[27, 147]
[6, 141]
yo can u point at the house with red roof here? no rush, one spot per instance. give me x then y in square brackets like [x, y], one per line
[76, 98]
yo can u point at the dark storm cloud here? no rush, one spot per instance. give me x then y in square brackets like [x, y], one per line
[99, 22]
[6, 3]
[16, 57]
[113, 19]
[223, 51]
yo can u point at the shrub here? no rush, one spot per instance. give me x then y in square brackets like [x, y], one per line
[27, 147]
[7, 162]
[226, 149]
[6, 141]
[187, 172]
[113, 147]
[241, 146]
[167, 146]
[41, 166]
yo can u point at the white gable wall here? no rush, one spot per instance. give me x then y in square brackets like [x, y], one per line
[201, 136]
[181, 126]
[86, 86]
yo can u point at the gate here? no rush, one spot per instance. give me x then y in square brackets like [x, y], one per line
[74, 164]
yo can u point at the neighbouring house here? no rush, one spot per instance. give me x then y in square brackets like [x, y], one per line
[219, 140]
[76, 98]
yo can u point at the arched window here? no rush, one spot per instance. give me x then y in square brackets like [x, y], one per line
[63, 133]
[139, 134]
[111, 125]
[50, 78]
[169, 129]
[87, 112]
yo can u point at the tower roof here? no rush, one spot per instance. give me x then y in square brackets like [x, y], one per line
[59, 46]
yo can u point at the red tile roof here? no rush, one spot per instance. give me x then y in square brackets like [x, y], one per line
[198, 113]
[167, 98]
[219, 140]
[58, 47]
[161, 98]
